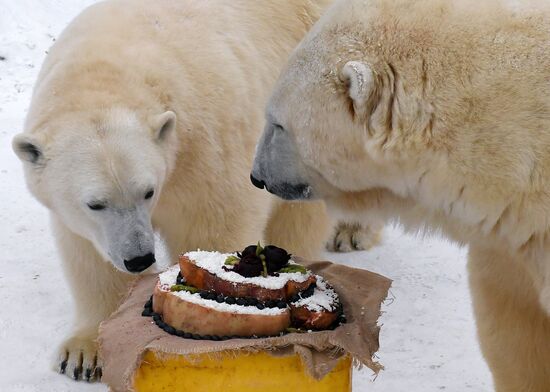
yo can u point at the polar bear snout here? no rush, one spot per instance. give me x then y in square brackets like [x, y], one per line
[139, 264]
[128, 238]
[256, 182]
[277, 166]
[284, 190]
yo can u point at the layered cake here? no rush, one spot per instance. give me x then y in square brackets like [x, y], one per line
[258, 292]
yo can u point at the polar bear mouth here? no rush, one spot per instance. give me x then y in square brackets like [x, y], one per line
[285, 190]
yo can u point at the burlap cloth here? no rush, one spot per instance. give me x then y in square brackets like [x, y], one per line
[126, 335]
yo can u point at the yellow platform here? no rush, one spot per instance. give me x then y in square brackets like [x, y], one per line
[234, 372]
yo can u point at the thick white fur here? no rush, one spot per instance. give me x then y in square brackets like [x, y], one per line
[454, 137]
[107, 88]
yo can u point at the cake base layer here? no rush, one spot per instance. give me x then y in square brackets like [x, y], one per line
[235, 371]
[184, 315]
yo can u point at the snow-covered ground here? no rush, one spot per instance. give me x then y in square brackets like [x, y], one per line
[428, 340]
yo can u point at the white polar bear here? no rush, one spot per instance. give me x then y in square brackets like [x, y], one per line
[145, 117]
[436, 112]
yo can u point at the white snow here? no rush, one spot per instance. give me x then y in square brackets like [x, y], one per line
[168, 278]
[428, 340]
[214, 262]
[323, 298]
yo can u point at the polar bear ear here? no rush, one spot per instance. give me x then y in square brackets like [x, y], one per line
[164, 125]
[28, 149]
[359, 79]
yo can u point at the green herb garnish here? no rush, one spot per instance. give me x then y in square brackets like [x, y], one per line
[182, 287]
[264, 265]
[293, 268]
[232, 260]
[259, 249]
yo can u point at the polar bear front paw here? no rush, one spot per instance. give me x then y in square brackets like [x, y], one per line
[348, 237]
[78, 359]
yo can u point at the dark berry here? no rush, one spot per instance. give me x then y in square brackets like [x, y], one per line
[207, 337]
[276, 258]
[220, 298]
[249, 266]
[148, 304]
[156, 317]
[225, 337]
[241, 301]
[147, 312]
[249, 251]
[211, 296]
[260, 306]
[281, 305]
[187, 335]
[271, 303]
[180, 333]
[295, 298]
[196, 336]
[179, 279]
[203, 294]
[216, 338]
[169, 329]
[250, 301]
[309, 291]
[230, 300]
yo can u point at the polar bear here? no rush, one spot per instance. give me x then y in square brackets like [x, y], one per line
[436, 112]
[144, 118]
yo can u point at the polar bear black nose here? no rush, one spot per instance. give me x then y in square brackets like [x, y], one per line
[257, 183]
[141, 263]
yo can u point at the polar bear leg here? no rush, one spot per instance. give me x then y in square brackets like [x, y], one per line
[299, 227]
[97, 289]
[347, 236]
[513, 328]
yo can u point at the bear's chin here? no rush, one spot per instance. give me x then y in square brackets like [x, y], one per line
[291, 192]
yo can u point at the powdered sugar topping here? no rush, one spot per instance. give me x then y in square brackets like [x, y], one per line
[168, 278]
[323, 298]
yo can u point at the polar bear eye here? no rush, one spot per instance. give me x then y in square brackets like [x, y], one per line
[149, 194]
[96, 206]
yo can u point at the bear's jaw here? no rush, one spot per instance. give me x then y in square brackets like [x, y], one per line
[289, 191]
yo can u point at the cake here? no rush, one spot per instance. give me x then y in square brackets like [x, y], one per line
[258, 292]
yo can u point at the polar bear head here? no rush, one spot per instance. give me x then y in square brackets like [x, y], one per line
[101, 174]
[392, 96]
[352, 110]
[326, 117]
